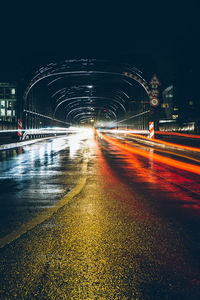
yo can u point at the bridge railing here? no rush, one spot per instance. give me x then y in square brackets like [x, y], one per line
[24, 134]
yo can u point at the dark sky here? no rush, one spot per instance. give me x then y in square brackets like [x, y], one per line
[33, 34]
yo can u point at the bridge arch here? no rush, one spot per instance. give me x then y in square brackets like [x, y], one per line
[87, 83]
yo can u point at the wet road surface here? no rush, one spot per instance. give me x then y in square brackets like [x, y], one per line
[35, 177]
[131, 232]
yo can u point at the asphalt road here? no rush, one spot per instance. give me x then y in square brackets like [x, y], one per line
[35, 177]
[127, 229]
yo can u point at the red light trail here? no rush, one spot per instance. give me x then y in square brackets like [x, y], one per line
[193, 136]
[166, 143]
[156, 157]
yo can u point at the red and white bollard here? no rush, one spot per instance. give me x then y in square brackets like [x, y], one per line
[151, 130]
[19, 133]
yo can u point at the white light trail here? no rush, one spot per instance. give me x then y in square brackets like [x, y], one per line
[124, 131]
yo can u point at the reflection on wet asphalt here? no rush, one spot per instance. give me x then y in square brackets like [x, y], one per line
[35, 177]
[132, 233]
[169, 187]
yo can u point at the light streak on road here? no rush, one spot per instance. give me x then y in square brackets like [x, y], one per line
[124, 131]
[179, 155]
[137, 135]
[75, 141]
[160, 181]
[163, 179]
[49, 130]
[140, 134]
[156, 157]
[187, 135]
[183, 147]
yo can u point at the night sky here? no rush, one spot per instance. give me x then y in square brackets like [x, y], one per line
[149, 36]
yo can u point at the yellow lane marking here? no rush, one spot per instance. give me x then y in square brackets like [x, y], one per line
[46, 214]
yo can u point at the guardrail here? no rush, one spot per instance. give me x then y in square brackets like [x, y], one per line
[9, 138]
[24, 134]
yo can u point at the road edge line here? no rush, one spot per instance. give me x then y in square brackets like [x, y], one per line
[46, 214]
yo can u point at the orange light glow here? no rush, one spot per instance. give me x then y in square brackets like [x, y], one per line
[178, 154]
[166, 143]
[160, 178]
[156, 157]
[194, 136]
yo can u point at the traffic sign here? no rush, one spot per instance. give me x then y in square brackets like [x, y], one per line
[155, 93]
[154, 81]
[154, 102]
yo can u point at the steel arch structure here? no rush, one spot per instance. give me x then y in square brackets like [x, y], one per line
[87, 85]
